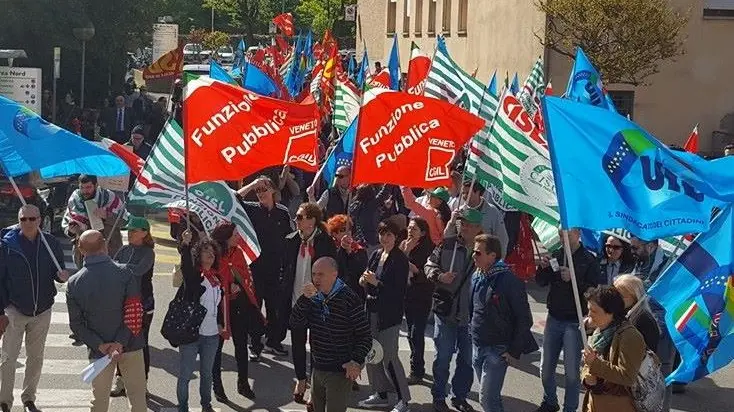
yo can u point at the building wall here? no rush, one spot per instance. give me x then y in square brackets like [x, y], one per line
[499, 35]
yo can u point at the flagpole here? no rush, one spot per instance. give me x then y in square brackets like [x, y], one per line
[40, 232]
[185, 153]
[574, 286]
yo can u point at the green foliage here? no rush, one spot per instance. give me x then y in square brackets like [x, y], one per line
[625, 39]
[213, 40]
[319, 15]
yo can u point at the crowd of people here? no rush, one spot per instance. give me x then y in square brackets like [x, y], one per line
[341, 268]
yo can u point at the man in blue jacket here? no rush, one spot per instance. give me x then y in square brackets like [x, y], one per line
[27, 290]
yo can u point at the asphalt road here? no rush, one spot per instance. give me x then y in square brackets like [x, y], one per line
[272, 379]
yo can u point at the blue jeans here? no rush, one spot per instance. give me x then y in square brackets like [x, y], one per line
[206, 348]
[449, 339]
[561, 335]
[490, 368]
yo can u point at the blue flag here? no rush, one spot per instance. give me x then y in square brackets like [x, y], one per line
[584, 83]
[441, 45]
[492, 88]
[515, 86]
[364, 69]
[217, 72]
[611, 174]
[394, 65]
[28, 143]
[697, 292]
[342, 154]
[352, 67]
[256, 80]
[239, 54]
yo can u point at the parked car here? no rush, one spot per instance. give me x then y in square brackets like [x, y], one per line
[225, 55]
[194, 52]
[50, 197]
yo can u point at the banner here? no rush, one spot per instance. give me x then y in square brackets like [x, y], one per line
[409, 140]
[233, 132]
[170, 64]
[418, 68]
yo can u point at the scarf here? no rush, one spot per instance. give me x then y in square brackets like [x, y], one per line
[602, 339]
[211, 276]
[77, 211]
[307, 245]
[323, 301]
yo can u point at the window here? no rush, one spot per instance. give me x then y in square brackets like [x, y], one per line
[463, 16]
[406, 18]
[392, 6]
[718, 9]
[431, 17]
[624, 101]
[446, 18]
[419, 18]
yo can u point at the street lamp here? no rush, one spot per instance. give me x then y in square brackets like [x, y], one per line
[84, 34]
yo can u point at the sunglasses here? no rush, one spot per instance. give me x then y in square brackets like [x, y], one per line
[615, 247]
[261, 190]
[29, 219]
[477, 252]
[301, 217]
[341, 176]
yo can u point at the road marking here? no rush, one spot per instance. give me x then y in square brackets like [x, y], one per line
[60, 318]
[58, 367]
[58, 340]
[66, 400]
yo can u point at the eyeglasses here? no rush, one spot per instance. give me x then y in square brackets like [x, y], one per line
[301, 217]
[615, 247]
[29, 219]
[261, 190]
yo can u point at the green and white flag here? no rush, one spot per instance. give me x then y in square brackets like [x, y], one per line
[533, 89]
[511, 159]
[346, 105]
[161, 185]
[547, 233]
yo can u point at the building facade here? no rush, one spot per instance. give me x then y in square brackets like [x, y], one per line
[504, 35]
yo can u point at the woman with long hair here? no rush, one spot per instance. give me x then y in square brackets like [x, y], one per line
[201, 284]
[303, 247]
[350, 255]
[241, 313]
[418, 298]
[139, 257]
[385, 281]
[436, 213]
[614, 355]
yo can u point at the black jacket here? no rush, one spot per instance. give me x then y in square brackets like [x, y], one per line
[561, 303]
[323, 245]
[418, 297]
[351, 266]
[19, 276]
[646, 324]
[191, 289]
[502, 317]
[387, 299]
[271, 227]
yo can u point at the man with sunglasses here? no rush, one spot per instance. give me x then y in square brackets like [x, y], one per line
[27, 290]
[334, 201]
[272, 224]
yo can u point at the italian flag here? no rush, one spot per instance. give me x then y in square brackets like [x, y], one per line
[418, 68]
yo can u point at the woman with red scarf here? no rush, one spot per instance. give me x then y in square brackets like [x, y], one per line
[240, 303]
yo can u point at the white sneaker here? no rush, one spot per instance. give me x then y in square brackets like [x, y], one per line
[401, 406]
[374, 401]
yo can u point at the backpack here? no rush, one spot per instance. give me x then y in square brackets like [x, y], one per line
[649, 389]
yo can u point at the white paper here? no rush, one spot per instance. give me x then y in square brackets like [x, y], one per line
[94, 369]
[94, 221]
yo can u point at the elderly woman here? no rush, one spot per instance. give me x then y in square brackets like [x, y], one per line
[614, 355]
[638, 309]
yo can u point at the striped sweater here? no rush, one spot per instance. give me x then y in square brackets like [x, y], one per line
[339, 337]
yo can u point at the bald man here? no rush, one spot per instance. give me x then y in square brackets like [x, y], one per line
[339, 332]
[106, 313]
[27, 290]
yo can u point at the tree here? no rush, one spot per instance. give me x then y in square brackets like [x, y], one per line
[213, 40]
[625, 39]
[242, 13]
[320, 15]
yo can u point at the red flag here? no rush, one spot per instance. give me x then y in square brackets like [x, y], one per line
[549, 89]
[692, 142]
[282, 44]
[522, 257]
[133, 161]
[381, 79]
[418, 68]
[409, 140]
[285, 23]
[170, 64]
[232, 132]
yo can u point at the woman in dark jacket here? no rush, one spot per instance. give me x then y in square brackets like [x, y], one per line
[242, 310]
[201, 284]
[386, 281]
[363, 210]
[350, 255]
[418, 299]
[638, 309]
[303, 247]
[616, 260]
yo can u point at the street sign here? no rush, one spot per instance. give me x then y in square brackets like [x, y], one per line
[22, 85]
[165, 39]
[57, 62]
[350, 12]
